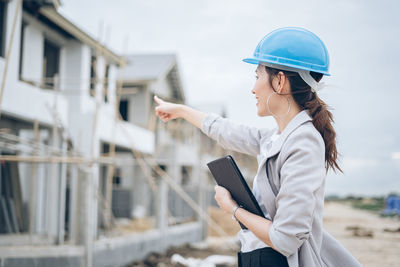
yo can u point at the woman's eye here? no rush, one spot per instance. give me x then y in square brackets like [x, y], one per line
[256, 77]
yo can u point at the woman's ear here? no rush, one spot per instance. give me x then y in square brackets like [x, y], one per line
[280, 82]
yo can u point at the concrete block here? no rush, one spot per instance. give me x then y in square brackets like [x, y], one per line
[43, 262]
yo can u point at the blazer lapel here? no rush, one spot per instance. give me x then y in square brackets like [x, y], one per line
[266, 191]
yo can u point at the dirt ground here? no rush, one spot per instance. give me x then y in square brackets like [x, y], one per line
[373, 240]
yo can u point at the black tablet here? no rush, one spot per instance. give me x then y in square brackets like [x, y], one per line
[227, 174]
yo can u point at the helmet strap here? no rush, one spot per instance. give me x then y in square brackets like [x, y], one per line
[304, 74]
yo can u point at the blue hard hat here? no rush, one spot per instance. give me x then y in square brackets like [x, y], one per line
[292, 47]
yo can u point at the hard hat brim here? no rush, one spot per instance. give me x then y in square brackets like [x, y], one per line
[257, 61]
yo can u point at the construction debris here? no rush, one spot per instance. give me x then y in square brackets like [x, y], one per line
[360, 231]
[191, 256]
[210, 261]
[396, 230]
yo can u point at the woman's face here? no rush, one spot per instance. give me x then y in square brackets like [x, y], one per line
[263, 89]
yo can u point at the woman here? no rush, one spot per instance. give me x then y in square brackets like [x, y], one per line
[293, 158]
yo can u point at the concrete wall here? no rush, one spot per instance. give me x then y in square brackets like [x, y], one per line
[179, 208]
[32, 53]
[121, 251]
[14, 56]
[139, 107]
[20, 99]
[40, 256]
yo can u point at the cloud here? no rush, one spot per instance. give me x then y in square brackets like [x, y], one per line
[396, 155]
[353, 164]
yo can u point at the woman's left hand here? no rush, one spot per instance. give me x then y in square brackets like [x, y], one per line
[224, 199]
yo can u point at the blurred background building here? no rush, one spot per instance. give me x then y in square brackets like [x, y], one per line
[89, 175]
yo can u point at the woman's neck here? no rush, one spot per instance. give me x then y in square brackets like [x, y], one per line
[284, 121]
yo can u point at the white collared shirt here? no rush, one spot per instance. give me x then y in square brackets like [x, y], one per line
[248, 240]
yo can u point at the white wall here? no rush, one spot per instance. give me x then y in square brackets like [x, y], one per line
[112, 85]
[32, 54]
[13, 65]
[139, 107]
[20, 99]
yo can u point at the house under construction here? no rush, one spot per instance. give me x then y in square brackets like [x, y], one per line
[89, 176]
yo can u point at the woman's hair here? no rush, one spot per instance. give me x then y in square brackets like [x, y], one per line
[322, 117]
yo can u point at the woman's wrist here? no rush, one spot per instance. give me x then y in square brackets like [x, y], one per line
[234, 210]
[182, 111]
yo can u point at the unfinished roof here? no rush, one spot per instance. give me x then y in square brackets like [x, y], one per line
[152, 67]
[146, 67]
[48, 9]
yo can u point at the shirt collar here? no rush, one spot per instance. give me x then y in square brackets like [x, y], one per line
[300, 118]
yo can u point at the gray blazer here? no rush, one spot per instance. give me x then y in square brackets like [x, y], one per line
[296, 167]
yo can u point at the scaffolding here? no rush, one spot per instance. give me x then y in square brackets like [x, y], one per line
[62, 185]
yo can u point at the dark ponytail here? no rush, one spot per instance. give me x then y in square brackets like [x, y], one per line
[322, 117]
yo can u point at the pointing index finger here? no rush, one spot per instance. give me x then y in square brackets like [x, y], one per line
[158, 100]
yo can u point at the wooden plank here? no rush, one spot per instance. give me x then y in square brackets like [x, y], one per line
[57, 159]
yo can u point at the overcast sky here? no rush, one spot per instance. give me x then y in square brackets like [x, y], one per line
[211, 37]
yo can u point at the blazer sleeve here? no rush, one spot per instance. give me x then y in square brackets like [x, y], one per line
[302, 174]
[231, 135]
